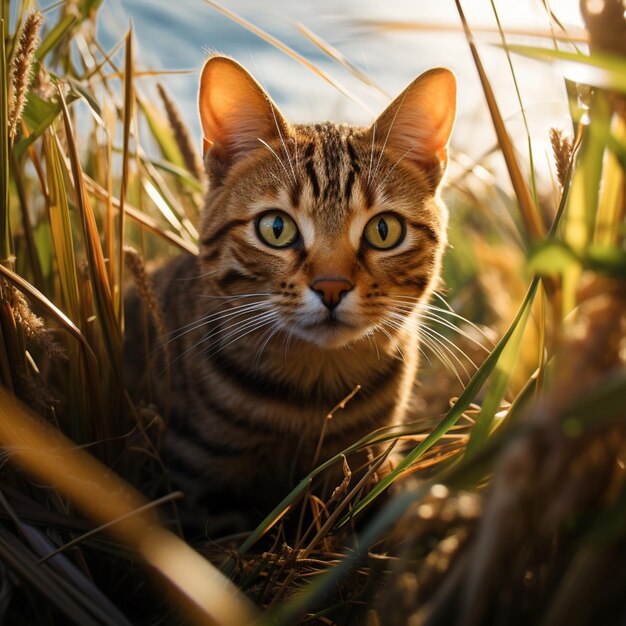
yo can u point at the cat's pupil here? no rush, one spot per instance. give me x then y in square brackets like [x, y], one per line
[278, 226]
[383, 230]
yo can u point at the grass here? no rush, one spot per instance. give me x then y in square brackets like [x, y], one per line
[513, 506]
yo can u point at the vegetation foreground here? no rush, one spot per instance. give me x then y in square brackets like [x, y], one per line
[510, 504]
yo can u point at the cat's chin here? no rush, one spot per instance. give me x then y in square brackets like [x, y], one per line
[330, 334]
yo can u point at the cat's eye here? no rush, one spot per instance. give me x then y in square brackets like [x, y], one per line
[276, 229]
[384, 231]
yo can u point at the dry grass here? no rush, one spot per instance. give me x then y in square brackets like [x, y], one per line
[509, 505]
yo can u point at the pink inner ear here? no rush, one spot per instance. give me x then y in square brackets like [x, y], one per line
[243, 130]
[235, 111]
[417, 139]
[419, 122]
[422, 132]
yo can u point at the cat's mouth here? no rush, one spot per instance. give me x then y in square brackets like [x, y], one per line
[330, 332]
[329, 322]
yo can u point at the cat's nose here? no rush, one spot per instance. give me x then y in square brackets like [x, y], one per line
[331, 290]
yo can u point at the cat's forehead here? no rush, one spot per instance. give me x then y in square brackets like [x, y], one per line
[329, 161]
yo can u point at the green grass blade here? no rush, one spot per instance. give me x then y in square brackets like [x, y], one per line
[107, 321]
[88, 6]
[455, 413]
[39, 115]
[601, 69]
[162, 133]
[97, 264]
[441, 429]
[189, 181]
[609, 219]
[61, 230]
[55, 35]
[497, 387]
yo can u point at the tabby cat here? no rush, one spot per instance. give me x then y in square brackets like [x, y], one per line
[318, 243]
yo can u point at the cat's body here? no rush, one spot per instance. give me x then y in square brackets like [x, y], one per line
[318, 243]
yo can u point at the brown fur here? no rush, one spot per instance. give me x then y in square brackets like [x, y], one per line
[248, 395]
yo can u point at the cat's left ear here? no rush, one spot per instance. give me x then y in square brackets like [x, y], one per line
[418, 123]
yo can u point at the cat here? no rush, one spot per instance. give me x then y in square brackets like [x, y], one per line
[318, 243]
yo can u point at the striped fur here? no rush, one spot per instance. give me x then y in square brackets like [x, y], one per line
[255, 358]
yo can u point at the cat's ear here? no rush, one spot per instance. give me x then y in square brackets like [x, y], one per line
[236, 113]
[418, 123]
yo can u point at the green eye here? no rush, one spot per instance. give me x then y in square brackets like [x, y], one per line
[276, 229]
[384, 231]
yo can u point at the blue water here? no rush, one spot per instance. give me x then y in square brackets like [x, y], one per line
[177, 35]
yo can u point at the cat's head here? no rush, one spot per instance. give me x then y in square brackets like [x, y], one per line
[339, 228]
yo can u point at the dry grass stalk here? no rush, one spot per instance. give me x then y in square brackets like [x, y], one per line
[181, 134]
[20, 70]
[136, 267]
[32, 325]
[562, 148]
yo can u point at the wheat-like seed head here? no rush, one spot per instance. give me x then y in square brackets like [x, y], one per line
[562, 148]
[20, 70]
[181, 134]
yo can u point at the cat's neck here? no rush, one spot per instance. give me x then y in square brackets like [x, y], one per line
[326, 373]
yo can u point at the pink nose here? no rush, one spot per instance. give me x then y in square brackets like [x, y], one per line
[331, 290]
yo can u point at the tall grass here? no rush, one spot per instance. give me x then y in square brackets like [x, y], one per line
[517, 511]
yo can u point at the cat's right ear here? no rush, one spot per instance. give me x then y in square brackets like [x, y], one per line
[418, 123]
[237, 115]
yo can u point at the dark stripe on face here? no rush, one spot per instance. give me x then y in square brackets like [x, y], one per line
[295, 192]
[309, 151]
[302, 256]
[354, 160]
[212, 256]
[310, 170]
[332, 149]
[417, 256]
[234, 276]
[368, 192]
[349, 183]
[426, 230]
[421, 282]
[361, 256]
[222, 231]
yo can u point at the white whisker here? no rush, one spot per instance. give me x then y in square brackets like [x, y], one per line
[393, 121]
[237, 336]
[369, 171]
[214, 317]
[214, 332]
[270, 333]
[275, 155]
[382, 328]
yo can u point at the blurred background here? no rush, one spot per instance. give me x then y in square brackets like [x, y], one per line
[176, 36]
